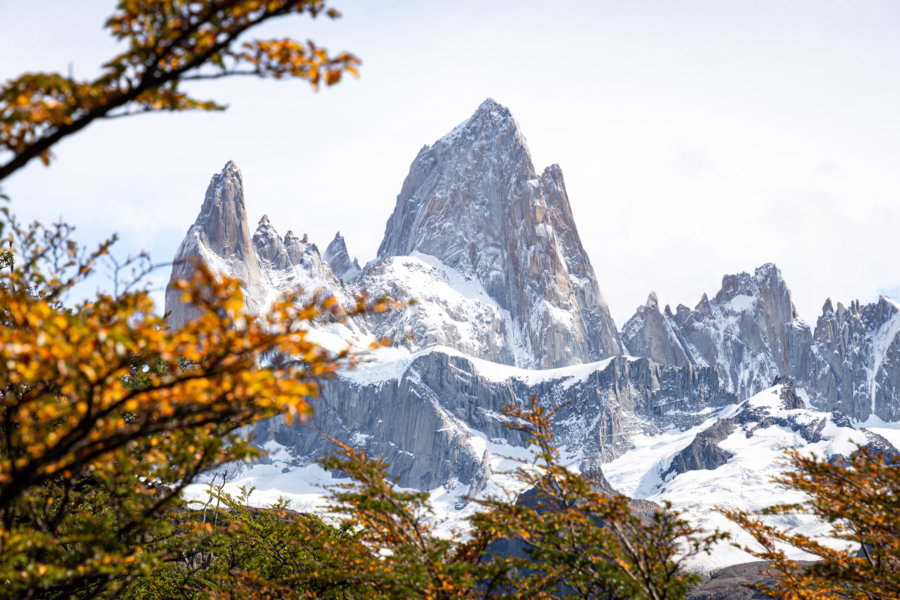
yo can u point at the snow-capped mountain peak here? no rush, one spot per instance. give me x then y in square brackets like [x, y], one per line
[338, 259]
[474, 201]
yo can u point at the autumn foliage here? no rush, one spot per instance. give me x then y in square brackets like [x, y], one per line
[168, 42]
[106, 414]
[859, 498]
[579, 540]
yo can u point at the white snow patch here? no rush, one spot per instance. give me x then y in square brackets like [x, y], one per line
[745, 481]
[743, 303]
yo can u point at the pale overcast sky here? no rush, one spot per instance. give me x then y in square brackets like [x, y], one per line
[696, 138]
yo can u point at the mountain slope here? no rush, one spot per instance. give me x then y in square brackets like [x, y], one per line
[509, 307]
[750, 331]
[474, 201]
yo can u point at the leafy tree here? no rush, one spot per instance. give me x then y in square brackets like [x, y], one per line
[579, 540]
[106, 414]
[398, 554]
[250, 553]
[859, 499]
[168, 42]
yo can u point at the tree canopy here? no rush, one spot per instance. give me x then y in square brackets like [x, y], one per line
[168, 42]
[859, 499]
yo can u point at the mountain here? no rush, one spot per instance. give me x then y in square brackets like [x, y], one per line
[475, 202]
[730, 459]
[751, 333]
[508, 306]
[337, 257]
[219, 238]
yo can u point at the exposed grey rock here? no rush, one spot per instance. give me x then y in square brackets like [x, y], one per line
[592, 470]
[649, 333]
[337, 257]
[731, 583]
[479, 480]
[424, 422]
[474, 201]
[752, 333]
[269, 246]
[703, 452]
[219, 238]
[788, 394]
[878, 444]
[266, 264]
[854, 363]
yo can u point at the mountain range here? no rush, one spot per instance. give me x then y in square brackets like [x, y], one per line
[689, 404]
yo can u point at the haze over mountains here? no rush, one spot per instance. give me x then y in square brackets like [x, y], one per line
[509, 306]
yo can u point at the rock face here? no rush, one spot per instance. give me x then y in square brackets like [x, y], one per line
[745, 330]
[704, 452]
[853, 364]
[220, 238]
[751, 332]
[265, 263]
[430, 419]
[337, 257]
[650, 333]
[474, 201]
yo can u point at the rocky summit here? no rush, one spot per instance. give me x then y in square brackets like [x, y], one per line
[508, 306]
[475, 202]
[751, 333]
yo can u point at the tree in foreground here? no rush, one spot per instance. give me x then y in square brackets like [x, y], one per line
[581, 541]
[251, 553]
[381, 542]
[859, 499]
[106, 414]
[169, 42]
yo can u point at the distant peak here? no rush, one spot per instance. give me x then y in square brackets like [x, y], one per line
[491, 104]
[652, 300]
[489, 121]
[553, 170]
[230, 166]
[338, 236]
[768, 270]
[264, 220]
[493, 108]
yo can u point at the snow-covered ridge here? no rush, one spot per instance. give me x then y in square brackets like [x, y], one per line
[391, 363]
[475, 202]
[762, 429]
[750, 331]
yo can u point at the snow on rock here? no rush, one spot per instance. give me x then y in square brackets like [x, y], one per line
[741, 330]
[338, 259]
[763, 427]
[751, 332]
[508, 306]
[474, 201]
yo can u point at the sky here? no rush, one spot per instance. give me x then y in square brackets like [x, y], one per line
[696, 138]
